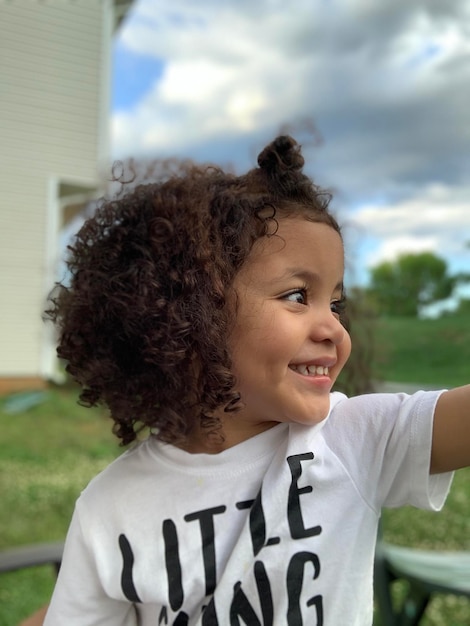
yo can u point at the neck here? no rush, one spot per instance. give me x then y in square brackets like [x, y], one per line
[200, 442]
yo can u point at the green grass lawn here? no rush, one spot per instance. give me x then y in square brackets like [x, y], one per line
[49, 453]
[447, 530]
[431, 352]
[434, 352]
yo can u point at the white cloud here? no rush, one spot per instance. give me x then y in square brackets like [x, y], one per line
[437, 220]
[386, 83]
[395, 246]
[362, 70]
[225, 72]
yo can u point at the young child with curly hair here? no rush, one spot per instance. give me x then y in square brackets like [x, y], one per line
[207, 308]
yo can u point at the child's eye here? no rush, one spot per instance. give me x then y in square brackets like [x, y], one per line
[338, 307]
[298, 295]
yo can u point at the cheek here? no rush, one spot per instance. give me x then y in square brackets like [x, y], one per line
[254, 325]
[258, 349]
[345, 347]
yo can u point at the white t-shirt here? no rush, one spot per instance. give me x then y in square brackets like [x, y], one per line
[278, 530]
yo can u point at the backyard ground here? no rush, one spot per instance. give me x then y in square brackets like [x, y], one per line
[51, 449]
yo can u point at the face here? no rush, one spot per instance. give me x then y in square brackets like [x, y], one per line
[288, 345]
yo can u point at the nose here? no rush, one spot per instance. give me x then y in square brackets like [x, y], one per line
[325, 326]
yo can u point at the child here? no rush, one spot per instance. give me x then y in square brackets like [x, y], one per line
[208, 309]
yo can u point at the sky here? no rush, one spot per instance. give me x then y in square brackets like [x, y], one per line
[385, 83]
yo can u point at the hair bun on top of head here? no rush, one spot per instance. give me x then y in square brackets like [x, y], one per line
[281, 155]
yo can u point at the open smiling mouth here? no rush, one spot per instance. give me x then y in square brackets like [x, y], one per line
[310, 370]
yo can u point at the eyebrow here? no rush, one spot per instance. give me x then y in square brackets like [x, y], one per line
[307, 276]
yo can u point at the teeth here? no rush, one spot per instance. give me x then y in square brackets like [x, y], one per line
[311, 370]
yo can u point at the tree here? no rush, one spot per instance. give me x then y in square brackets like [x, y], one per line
[356, 376]
[405, 286]
[464, 307]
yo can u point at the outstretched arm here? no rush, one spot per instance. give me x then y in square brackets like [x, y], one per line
[451, 433]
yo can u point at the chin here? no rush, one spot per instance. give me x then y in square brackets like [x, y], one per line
[316, 416]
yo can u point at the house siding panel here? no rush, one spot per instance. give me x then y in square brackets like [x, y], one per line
[53, 87]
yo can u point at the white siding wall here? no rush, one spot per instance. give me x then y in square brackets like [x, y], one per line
[54, 84]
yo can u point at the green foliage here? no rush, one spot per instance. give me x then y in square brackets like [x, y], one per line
[433, 352]
[357, 376]
[405, 286]
[464, 307]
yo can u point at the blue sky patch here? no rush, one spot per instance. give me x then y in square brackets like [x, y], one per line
[424, 55]
[133, 76]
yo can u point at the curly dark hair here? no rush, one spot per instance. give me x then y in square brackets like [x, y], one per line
[143, 324]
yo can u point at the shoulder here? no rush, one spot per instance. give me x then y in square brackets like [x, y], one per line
[379, 421]
[383, 442]
[380, 407]
[132, 468]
